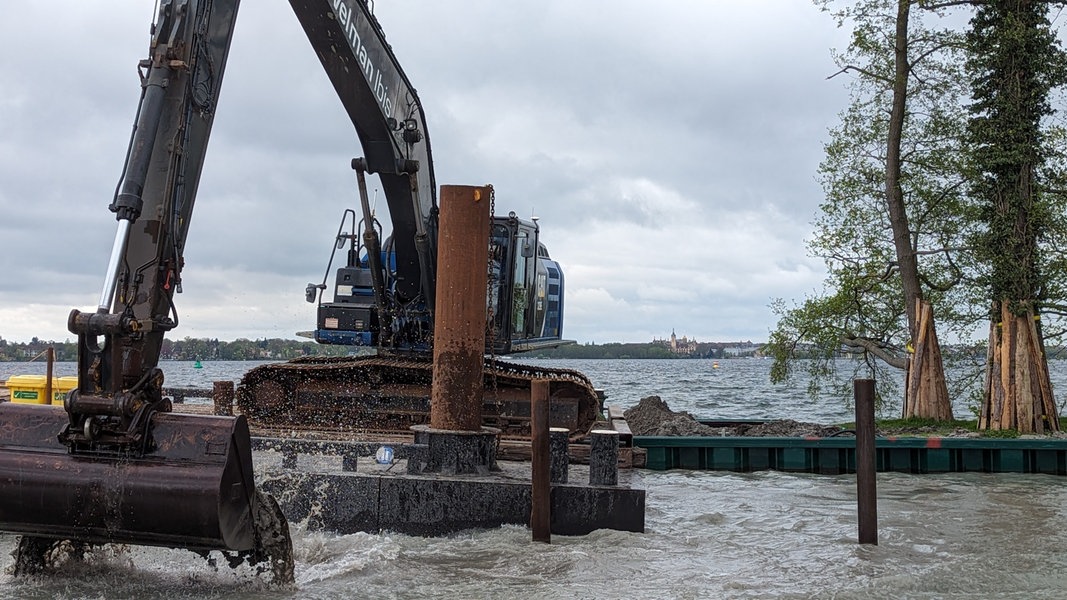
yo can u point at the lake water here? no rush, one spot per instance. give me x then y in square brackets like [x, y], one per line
[709, 535]
[726, 389]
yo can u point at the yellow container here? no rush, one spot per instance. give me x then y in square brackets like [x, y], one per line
[29, 389]
[62, 386]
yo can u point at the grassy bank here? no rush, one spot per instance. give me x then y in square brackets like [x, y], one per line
[932, 428]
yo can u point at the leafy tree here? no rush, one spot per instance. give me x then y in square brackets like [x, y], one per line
[1015, 64]
[888, 228]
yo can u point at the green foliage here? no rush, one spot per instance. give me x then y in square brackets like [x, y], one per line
[931, 428]
[817, 322]
[921, 423]
[861, 305]
[1015, 62]
[185, 349]
[919, 426]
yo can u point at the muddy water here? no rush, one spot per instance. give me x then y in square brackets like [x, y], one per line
[709, 535]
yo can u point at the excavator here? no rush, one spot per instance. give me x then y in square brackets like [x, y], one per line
[383, 294]
[118, 465]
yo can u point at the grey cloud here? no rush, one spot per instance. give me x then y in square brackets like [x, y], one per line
[722, 106]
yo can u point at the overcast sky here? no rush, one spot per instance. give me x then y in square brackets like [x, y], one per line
[668, 148]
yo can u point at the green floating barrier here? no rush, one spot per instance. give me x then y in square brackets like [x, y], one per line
[838, 454]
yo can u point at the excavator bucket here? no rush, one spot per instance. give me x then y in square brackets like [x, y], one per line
[193, 489]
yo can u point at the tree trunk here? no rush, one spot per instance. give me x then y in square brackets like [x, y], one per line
[903, 244]
[926, 393]
[1018, 392]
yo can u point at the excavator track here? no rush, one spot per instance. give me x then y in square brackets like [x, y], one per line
[384, 394]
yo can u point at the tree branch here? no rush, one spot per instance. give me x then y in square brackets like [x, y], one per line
[877, 349]
[861, 70]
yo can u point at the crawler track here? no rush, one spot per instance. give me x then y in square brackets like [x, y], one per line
[389, 394]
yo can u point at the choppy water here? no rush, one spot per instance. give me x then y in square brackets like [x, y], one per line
[709, 535]
[736, 388]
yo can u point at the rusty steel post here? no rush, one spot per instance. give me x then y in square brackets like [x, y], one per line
[222, 397]
[540, 463]
[866, 482]
[50, 358]
[459, 328]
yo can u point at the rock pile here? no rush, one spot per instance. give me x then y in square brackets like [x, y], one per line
[652, 416]
[787, 428]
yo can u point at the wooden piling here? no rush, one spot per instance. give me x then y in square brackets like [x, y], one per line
[541, 484]
[866, 483]
[222, 397]
[50, 359]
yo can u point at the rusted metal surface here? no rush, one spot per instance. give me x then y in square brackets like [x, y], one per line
[390, 394]
[194, 489]
[866, 461]
[460, 315]
[541, 465]
[222, 397]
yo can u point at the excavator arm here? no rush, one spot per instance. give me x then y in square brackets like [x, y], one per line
[389, 121]
[119, 343]
[385, 298]
[394, 312]
[124, 468]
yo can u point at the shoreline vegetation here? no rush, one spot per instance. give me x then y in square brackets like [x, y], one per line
[285, 349]
[266, 349]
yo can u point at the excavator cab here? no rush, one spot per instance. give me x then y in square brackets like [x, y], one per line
[524, 299]
[525, 289]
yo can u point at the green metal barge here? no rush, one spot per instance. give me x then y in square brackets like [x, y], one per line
[836, 455]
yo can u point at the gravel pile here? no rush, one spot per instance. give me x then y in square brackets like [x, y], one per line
[652, 416]
[787, 428]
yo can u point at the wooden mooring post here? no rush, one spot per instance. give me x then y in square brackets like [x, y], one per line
[866, 483]
[222, 397]
[50, 359]
[540, 463]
